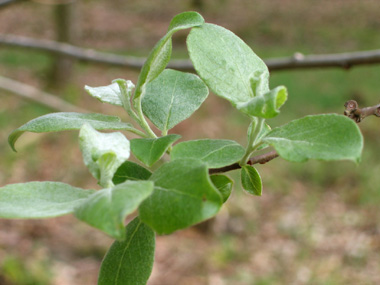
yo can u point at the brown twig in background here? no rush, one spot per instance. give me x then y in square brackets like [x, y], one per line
[358, 114]
[262, 159]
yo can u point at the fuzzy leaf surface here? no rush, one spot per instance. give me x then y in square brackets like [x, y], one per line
[226, 63]
[103, 153]
[251, 180]
[150, 151]
[34, 200]
[183, 196]
[322, 137]
[215, 153]
[224, 184]
[161, 53]
[130, 171]
[107, 208]
[64, 121]
[129, 262]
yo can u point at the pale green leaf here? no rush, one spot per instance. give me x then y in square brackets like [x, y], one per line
[323, 137]
[40, 199]
[226, 63]
[172, 97]
[251, 180]
[103, 153]
[161, 53]
[107, 209]
[216, 153]
[109, 94]
[129, 262]
[266, 106]
[130, 171]
[63, 121]
[183, 196]
[150, 151]
[224, 184]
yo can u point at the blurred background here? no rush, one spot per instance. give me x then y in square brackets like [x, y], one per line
[316, 223]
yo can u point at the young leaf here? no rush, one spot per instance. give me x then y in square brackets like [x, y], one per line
[161, 53]
[130, 171]
[224, 184]
[323, 137]
[63, 121]
[103, 153]
[216, 153]
[183, 196]
[129, 262]
[251, 180]
[109, 94]
[150, 151]
[172, 97]
[226, 63]
[266, 106]
[108, 208]
[34, 200]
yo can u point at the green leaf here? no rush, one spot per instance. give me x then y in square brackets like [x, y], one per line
[129, 262]
[34, 200]
[266, 106]
[130, 171]
[183, 196]
[216, 153]
[172, 97]
[108, 208]
[63, 121]
[103, 153]
[224, 184]
[161, 53]
[323, 137]
[109, 94]
[226, 63]
[251, 180]
[150, 151]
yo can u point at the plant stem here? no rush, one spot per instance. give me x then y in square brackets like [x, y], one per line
[253, 139]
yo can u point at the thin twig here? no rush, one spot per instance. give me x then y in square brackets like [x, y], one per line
[298, 61]
[358, 114]
[262, 159]
[43, 98]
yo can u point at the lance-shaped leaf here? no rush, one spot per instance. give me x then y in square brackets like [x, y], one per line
[224, 184]
[226, 63]
[107, 209]
[130, 171]
[265, 106]
[323, 137]
[109, 94]
[161, 53]
[183, 196]
[64, 121]
[216, 153]
[150, 151]
[40, 199]
[251, 180]
[172, 97]
[103, 153]
[129, 262]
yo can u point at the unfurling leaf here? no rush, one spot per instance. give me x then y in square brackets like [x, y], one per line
[323, 137]
[107, 208]
[34, 200]
[224, 184]
[172, 97]
[129, 262]
[150, 151]
[215, 153]
[103, 153]
[183, 196]
[251, 180]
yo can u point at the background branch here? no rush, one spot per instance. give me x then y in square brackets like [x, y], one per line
[298, 61]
